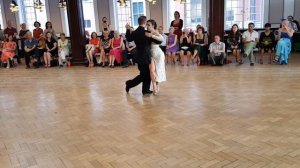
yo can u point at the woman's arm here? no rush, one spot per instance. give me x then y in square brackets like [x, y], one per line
[180, 24]
[175, 41]
[205, 40]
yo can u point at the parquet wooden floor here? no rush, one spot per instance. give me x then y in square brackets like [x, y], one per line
[209, 117]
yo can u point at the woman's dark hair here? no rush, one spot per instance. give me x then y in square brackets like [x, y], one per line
[202, 28]
[267, 25]
[36, 22]
[47, 23]
[153, 23]
[62, 34]
[93, 34]
[237, 32]
[176, 12]
[47, 34]
[104, 18]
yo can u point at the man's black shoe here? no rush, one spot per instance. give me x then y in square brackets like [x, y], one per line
[127, 88]
[252, 64]
[147, 92]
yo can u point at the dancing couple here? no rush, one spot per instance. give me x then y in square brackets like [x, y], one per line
[149, 57]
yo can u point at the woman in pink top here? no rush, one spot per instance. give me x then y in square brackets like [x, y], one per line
[8, 51]
[116, 50]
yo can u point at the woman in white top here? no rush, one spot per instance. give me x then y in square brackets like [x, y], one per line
[157, 66]
[63, 49]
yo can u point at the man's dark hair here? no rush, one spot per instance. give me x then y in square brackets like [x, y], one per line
[142, 20]
[251, 24]
[267, 25]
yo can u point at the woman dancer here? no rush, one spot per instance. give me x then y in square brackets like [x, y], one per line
[157, 66]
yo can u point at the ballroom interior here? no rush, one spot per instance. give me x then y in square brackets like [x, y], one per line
[230, 116]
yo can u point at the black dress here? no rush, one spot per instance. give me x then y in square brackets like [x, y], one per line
[185, 46]
[50, 45]
[234, 40]
[267, 42]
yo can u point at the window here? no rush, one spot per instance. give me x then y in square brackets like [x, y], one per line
[28, 14]
[129, 14]
[242, 12]
[191, 12]
[89, 15]
[87, 24]
[138, 10]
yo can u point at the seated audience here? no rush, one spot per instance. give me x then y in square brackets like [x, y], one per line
[128, 53]
[38, 30]
[200, 43]
[116, 50]
[266, 42]
[234, 42]
[92, 48]
[51, 45]
[250, 40]
[30, 48]
[217, 51]
[8, 51]
[63, 49]
[163, 44]
[284, 45]
[172, 46]
[105, 42]
[185, 49]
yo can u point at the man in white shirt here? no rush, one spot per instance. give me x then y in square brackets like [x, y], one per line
[217, 51]
[163, 44]
[250, 40]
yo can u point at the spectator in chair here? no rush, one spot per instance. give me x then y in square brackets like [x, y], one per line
[250, 40]
[52, 51]
[185, 49]
[41, 49]
[217, 51]
[8, 51]
[30, 46]
[200, 43]
[129, 51]
[172, 46]
[105, 44]
[284, 45]
[93, 48]
[234, 42]
[116, 49]
[163, 45]
[266, 42]
[63, 49]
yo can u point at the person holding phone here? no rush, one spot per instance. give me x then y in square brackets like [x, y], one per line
[284, 44]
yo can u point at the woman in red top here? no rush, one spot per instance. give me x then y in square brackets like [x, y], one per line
[116, 50]
[177, 24]
[37, 31]
[8, 51]
[89, 53]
